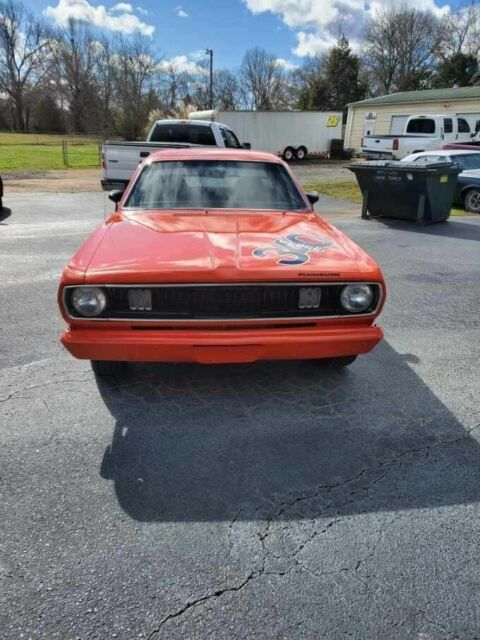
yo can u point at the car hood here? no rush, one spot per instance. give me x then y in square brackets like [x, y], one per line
[204, 246]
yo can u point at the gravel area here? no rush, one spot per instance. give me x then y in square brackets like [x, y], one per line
[81, 180]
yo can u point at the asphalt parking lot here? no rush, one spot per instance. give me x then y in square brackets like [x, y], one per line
[275, 500]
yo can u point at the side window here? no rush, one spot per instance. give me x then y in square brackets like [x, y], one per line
[230, 139]
[463, 126]
[448, 125]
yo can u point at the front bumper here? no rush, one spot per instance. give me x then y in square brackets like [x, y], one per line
[215, 346]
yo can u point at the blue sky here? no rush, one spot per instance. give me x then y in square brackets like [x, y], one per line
[181, 29]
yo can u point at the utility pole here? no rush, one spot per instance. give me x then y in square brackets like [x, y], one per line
[209, 52]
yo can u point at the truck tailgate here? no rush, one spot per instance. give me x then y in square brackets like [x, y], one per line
[121, 159]
[378, 144]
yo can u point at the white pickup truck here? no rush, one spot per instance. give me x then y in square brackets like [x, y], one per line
[421, 133]
[120, 159]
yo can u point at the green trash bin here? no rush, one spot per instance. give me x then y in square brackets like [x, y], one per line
[407, 190]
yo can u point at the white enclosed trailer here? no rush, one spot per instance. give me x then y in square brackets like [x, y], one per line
[290, 134]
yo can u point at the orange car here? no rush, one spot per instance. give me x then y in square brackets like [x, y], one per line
[215, 256]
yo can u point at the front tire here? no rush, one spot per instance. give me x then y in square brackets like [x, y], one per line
[472, 201]
[107, 368]
[338, 363]
[288, 154]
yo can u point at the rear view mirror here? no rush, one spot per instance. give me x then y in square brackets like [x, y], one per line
[115, 196]
[246, 145]
[312, 197]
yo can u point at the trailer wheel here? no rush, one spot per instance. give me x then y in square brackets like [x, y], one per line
[288, 154]
[300, 153]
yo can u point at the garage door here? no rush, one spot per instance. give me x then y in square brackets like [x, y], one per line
[471, 118]
[397, 125]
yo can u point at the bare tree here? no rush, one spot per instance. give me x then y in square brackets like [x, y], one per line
[104, 78]
[136, 74]
[263, 81]
[226, 90]
[74, 53]
[460, 33]
[24, 46]
[174, 85]
[399, 44]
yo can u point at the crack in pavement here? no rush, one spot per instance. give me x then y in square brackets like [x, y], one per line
[285, 505]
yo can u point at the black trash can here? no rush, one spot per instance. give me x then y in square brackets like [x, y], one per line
[407, 190]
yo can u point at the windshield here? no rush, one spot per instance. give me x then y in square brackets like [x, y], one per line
[215, 184]
[467, 161]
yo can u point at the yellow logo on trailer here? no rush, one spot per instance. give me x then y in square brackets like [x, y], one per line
[333, 121]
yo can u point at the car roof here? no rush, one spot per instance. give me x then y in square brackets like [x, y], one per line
[212, 153]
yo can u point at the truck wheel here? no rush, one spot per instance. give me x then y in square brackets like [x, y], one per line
[300, 153]
[107, 368]
[472, 201]
[288, 154]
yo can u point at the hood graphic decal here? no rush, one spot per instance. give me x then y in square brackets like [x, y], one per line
[297, 246]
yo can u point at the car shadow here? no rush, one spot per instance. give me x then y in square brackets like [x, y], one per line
[452, 228]
[212, 443]
[5, 213]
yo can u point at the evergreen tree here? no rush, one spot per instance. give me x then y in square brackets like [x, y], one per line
[458, 70]
[332, 81]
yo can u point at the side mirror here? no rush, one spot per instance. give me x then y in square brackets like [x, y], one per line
[246, 145]
[312, 197]
[115, 196]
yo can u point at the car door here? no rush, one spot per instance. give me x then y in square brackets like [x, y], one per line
[449, 133]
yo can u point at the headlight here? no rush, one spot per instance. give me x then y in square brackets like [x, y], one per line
[88, 301]
[356, 298]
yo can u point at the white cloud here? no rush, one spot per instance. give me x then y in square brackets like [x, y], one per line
[286, 64]
[125, 7]
[181, 13]
[311, 43]
[143, 11]
[312, 20]
[99, 16]
[181, 64]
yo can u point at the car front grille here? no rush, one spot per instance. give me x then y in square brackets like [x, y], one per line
[223, 302]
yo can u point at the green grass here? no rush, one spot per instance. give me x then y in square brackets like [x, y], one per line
[343, 190]
[348, 190]
[32, 152]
